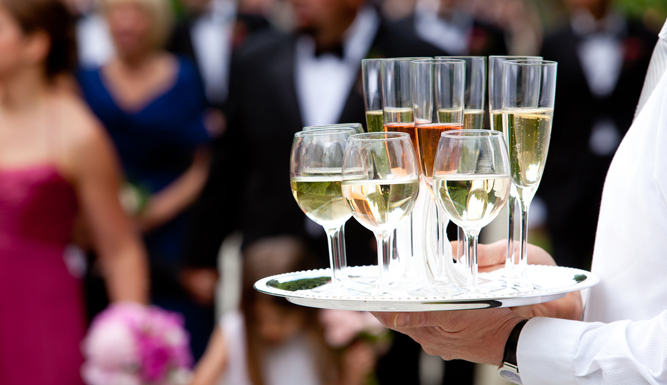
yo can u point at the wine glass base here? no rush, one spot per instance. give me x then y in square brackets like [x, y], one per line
[437, 289]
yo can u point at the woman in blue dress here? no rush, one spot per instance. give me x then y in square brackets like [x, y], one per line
[152, 105]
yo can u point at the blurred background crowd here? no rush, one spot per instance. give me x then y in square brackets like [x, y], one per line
[144, 156]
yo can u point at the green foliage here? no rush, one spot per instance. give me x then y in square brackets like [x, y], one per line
[299, 284]
[580, 278]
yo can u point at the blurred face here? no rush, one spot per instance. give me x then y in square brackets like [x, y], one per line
[196, 5]
[314, 15]
[591, 5]
[130, 28]
[276, 324]
[16, 48]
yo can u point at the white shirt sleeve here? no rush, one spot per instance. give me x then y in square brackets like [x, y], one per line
[561, 352]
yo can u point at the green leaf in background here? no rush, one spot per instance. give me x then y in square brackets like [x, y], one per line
[580, 278]
[299, 284]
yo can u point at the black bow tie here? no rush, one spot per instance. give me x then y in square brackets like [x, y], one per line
[335, 50]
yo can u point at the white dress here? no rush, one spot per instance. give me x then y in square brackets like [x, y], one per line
[288, 364]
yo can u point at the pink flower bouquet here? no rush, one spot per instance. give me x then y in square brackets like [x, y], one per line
[130, 344]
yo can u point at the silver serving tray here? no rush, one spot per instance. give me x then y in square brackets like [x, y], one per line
[551, 283]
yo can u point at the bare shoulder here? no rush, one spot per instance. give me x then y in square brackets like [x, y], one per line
[82, 140]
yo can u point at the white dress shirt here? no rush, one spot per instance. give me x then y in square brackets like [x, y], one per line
[452, 36]
[94, 44]
[212, 42]
[624, 338]
[324, 83]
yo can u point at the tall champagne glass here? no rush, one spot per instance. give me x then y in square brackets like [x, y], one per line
[398, 117]
[471, 184]
[475, 90]
[372, 83]
[380, 186]
[316, 168]
[496, 122]
[357, 127]
[438, 86]
[529, 92]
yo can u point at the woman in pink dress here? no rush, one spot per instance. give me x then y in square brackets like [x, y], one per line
[55, 163]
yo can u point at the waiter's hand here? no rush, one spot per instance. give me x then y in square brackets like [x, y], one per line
[471, 335]
[480, 335]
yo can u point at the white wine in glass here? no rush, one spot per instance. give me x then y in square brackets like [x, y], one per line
[528, 135]
[450, 115]
[473, 119]
[375, 121]
[472, 200]
[496, 120]
[379, 205]
[320, 197]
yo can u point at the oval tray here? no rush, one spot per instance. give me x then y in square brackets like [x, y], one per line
[552, 282]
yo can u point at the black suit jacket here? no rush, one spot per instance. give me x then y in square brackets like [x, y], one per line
[249, 185]
[180, 42]
[574, 175]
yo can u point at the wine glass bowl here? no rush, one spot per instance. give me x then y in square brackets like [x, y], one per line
[380, 186]
[471, 183]
[316, 164]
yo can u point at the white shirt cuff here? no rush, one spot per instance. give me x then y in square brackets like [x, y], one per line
[546, 349]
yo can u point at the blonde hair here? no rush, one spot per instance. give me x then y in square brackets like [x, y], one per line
[158, 11]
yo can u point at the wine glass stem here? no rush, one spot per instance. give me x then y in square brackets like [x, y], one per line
[523, 247]
[460, 237]
[510, 259]
[442, 235]
[337, 255]
[384, 255]
[471, 258]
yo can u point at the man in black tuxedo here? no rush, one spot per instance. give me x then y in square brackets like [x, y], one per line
[281, 83]
[602, 60]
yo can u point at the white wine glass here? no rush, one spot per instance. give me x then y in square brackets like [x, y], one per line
[496, 123]
[471, 184]
[380, 186]
[357, 127]
[316, 166]
[528, 96]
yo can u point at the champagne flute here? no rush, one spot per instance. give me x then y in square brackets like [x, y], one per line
[380, 186]
[398, 117]
[316, 164]
[496, 122]
[438, 85]
[357, 127]
[372, 83]
[475, 90]
[529, 92]
[472, 184]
